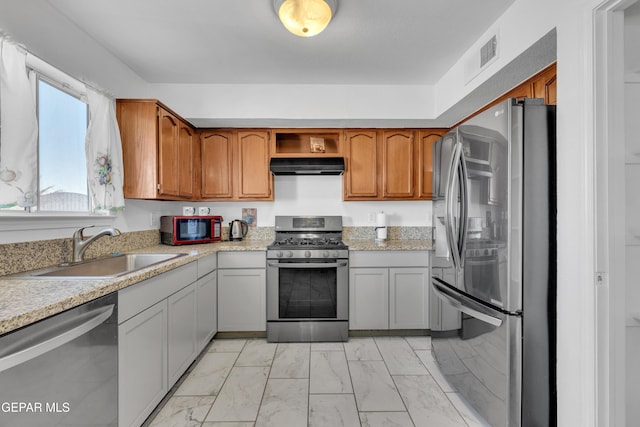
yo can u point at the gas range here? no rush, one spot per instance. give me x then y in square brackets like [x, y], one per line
[308, 280]
[308, 237]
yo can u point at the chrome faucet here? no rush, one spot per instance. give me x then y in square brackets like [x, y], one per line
[80, 244]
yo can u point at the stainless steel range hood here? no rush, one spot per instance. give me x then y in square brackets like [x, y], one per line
[307, 165]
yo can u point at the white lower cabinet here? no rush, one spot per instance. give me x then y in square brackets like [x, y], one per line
[368, 298]
[242, 291]
[408, 298]
[181, 331]
[142, 364]
[207, 309]
[394, 296]
[156, 340]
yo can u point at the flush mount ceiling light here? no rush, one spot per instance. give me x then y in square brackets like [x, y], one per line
[305, 18]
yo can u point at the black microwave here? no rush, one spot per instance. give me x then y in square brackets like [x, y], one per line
[186, 230]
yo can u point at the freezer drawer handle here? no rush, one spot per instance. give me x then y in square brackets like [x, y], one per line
[459, 303]
[53, 338]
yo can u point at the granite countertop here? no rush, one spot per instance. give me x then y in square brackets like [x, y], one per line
[24, 301]
[389, 245]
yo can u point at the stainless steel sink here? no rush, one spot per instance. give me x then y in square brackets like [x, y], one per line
[112, 266]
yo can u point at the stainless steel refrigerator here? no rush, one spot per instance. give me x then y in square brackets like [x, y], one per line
[493, 305]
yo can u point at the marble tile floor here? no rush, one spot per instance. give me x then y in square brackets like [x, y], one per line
[368, 382]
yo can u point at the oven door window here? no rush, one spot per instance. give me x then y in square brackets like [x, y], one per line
[307, 293]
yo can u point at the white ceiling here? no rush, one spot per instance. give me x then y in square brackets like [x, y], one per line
[376, 42]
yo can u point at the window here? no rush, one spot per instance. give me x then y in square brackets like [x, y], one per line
[53, 159]
[62, 128]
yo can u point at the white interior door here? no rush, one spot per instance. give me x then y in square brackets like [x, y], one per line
[617, 110]
[632, 211]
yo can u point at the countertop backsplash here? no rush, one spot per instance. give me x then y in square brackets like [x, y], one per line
[19, 257]
[393, 233]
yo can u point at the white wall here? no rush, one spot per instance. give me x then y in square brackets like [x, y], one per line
[294, 195]
[225, 103]
[632, 249]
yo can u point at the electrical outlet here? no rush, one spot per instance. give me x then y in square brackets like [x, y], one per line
[372, 217]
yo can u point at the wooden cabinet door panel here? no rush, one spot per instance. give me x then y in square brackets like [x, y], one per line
[138, 131]
[216, 159]
[168, 178]
[398, 164]
[426, 139]
[362, 171]
[255, 180]
[545, 86]
[186, 141]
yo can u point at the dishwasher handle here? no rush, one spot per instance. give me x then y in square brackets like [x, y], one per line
[53, 338]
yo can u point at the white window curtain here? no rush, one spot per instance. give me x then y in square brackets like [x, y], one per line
[18, 130]
[104, 154]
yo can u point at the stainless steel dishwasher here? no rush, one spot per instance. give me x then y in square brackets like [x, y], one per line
[62, 370]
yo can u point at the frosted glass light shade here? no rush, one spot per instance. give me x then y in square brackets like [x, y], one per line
[305, 18]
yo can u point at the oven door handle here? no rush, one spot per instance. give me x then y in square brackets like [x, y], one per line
[308, 264]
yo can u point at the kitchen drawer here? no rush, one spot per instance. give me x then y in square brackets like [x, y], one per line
[136, 298]
[388, 258]
[207, 264]
[249, 259]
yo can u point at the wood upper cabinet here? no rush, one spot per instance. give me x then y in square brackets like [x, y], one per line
[234, 165]
[254, 178]
[157, 151]
[544, 85]
[168, 178]
[187, 141]
[216, 159]
[389, 164]
[398, 163]
[360, 179]
[426, 139]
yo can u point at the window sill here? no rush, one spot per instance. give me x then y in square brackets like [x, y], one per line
[36, 221]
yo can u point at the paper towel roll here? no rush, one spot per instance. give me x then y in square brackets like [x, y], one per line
[381, 226]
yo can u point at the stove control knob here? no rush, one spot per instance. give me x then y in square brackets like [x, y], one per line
[307, 254]
[325, 254]
[279, 254]
[335, 254]
[289, 254]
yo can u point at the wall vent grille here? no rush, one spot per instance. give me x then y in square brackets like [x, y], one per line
[488, 51]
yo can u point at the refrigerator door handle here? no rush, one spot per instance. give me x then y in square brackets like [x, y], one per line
[449, 202]
[464, 206]
[467, 305]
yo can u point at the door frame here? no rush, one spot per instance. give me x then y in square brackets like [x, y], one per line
[609, 217]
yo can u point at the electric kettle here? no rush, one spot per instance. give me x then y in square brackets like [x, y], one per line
[238, 229]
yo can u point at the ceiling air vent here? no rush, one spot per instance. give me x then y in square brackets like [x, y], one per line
[488, 51]
[481, 58]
